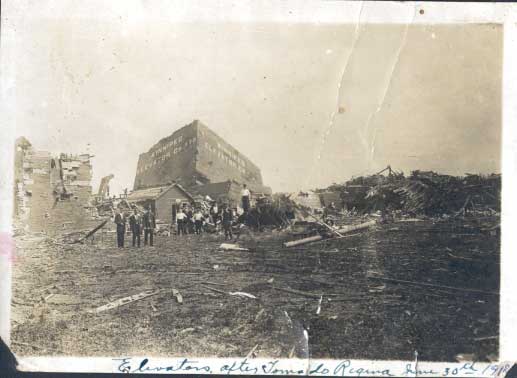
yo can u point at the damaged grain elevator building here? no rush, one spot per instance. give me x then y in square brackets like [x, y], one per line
[200, 161]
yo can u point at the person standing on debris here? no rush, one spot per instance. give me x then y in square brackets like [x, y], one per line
[180, 220]
[149, 223]
[135, 224]
[198, 221]
[227, 223]
[246, 197]
[120, 221]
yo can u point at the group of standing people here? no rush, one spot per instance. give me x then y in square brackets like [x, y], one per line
[192, 222]
[188, 221]
[138, 222]
[224, 216]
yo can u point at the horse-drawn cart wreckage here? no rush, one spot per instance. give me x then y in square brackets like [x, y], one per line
[346, 258]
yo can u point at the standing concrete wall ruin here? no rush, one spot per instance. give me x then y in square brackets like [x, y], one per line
[52, 193]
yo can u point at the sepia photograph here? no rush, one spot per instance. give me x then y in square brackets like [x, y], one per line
[263, 189]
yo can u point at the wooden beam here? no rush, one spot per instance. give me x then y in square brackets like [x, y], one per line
[341, 231]
[97, 228]
[434, 285]
[126, 300]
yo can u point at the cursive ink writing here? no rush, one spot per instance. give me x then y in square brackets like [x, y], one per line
[345, 367]
[184, 365]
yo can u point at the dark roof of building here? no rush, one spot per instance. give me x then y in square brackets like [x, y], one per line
[214, 189]
[155, 193]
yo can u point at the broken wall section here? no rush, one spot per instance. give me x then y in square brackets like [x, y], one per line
[52, 193]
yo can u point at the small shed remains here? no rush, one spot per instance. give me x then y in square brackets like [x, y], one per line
[162, 200]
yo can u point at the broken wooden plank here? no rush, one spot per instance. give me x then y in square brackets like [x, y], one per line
[310, 239]
[251, 352]
[486, 338]
[126, 300]
[318, 310]
[97, 228]
[342, 230]
[48, 297]
[433, 285]
[243, 294]
[178, 296]
[354, 227]
[337, 238]
[298, 292]
[332, 229]
[232, 247]
[291, 353]
[214, 283]
[214, 289]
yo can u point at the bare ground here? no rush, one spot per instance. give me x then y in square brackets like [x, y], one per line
[360, 317]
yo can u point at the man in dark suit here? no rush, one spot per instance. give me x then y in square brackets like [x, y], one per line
[135, 224]
[120, 221]
[227, 222]
[149, 223]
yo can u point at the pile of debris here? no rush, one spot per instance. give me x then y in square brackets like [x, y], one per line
[423, 193]
[279, 211]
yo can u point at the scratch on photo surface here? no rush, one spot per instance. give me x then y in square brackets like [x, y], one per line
[339, 96]
[372, 140]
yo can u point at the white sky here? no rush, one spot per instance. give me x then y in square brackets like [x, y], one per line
[418, 97]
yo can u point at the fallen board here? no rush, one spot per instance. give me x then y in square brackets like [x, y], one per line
[97, 228]
[342, 230]
[178, 295]
[232, 247]
[126, 300]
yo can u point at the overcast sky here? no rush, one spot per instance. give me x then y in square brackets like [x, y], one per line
[309, 104]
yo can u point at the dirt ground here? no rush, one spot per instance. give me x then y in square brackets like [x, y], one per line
[360, 316]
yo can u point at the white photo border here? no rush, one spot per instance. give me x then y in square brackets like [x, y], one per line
[19, 13]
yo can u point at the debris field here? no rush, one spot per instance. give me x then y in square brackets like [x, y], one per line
[429, 285]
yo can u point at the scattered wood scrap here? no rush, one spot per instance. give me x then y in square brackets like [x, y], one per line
[213, 289]
[310, 239]
[298, 292]
[178, 296]
[251, 353]
[235, 293]
[486, 338]
[340, 231]
[126, 300]
[232, 247]
[433, 285]
[213, 283]
[337, 238]
[243, 294]
[90, 233]
[319, 305]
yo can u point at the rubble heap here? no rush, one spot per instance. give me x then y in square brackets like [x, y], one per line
[422, 193]
[279, 211]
